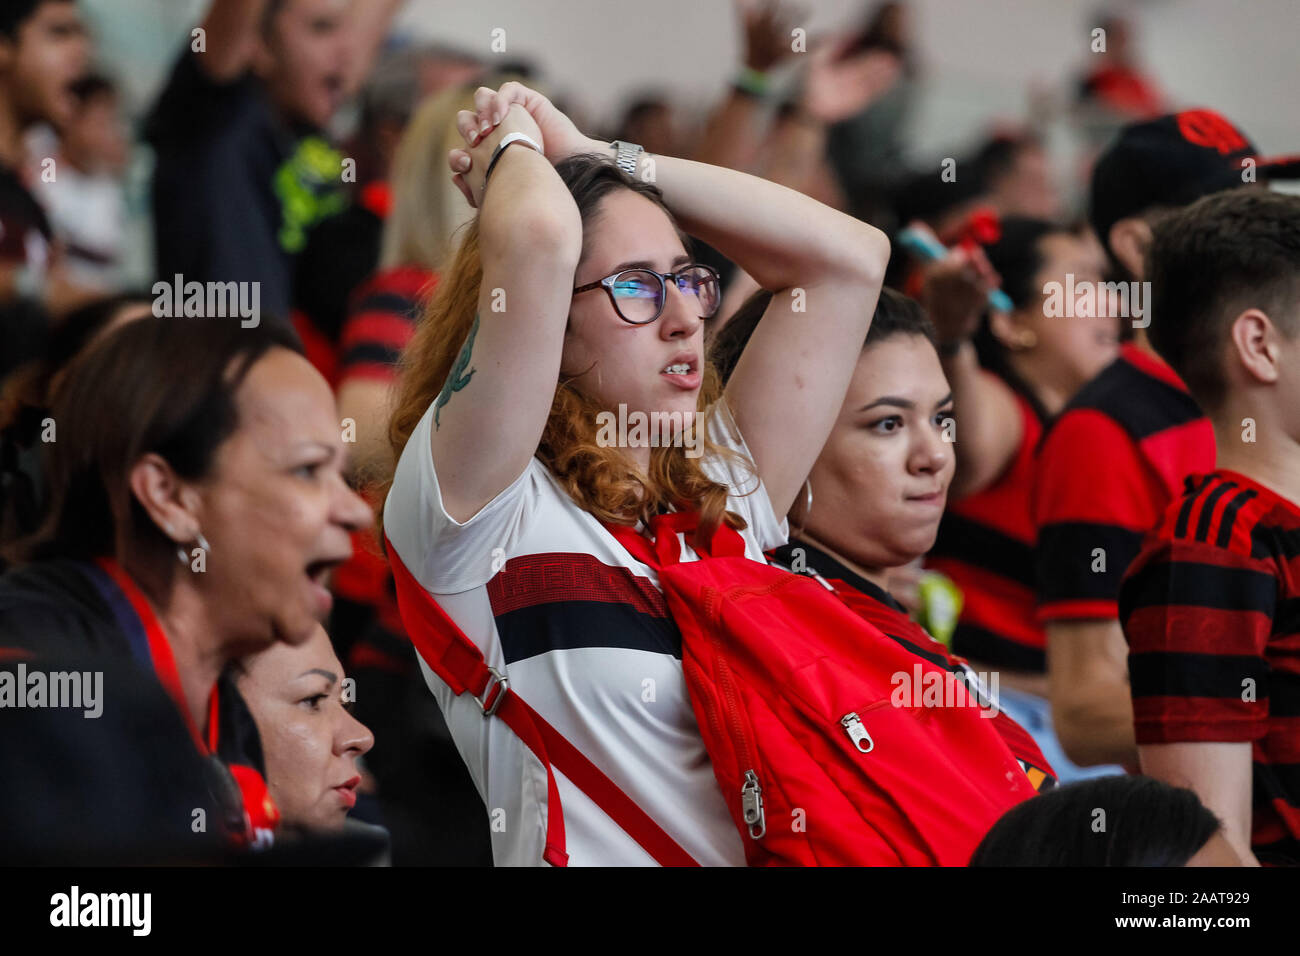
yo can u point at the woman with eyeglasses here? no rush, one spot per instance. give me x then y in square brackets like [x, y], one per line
[572, 295]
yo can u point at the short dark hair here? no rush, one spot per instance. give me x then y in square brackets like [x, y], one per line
[1147, 823]
[895, 314]
[14, 13]
[1210, 261]
[163, 385]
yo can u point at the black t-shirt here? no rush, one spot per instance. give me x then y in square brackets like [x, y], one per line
[136, 757]
[236, 189]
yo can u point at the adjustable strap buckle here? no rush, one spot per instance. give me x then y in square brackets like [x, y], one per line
[502, 684]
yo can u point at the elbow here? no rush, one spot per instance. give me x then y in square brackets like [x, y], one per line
[549, 235]
[862, 253]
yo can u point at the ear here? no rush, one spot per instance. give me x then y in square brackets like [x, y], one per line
[1254, 346]
[170, 503]
[1129, 241]
[1007, 329]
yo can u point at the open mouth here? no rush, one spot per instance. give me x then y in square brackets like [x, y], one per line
[318, 573]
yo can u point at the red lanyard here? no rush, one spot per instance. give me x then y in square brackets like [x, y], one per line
[160, 651]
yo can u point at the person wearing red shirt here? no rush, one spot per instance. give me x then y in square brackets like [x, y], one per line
[1211, 606]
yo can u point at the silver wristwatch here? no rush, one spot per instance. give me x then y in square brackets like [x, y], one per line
[627, 155]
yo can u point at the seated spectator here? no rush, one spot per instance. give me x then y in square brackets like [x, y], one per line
[311, 743]
[873, 500]
[1011, 374]
[1110, 821]
[207, 442]
[1211, 606]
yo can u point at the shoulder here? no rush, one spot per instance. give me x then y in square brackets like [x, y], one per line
[1131, 394]
[50, 607]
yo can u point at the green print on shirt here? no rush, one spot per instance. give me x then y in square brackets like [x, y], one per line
[309, 186]
[458, 378]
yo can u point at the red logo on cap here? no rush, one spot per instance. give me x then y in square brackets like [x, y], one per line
[1209, 129]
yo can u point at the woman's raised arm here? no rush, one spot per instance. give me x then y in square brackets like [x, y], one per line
[826, 270]
[489, 416]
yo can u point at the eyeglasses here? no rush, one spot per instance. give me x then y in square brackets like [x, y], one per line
[638, 295]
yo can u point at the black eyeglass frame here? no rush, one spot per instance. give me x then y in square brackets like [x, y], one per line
[608, 282]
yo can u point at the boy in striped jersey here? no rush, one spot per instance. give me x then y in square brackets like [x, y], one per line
[1211, 607]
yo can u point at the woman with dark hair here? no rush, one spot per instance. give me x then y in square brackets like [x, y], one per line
[873, 499]
[197, 506]
[570, 318]
[1110, 821]
[1011, 373]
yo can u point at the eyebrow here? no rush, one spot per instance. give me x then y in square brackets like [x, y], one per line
[328, 675]
[894, 400]
[680, 260]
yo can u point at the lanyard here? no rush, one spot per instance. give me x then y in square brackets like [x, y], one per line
[161, 657]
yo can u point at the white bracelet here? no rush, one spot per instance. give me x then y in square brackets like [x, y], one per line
[496, 153]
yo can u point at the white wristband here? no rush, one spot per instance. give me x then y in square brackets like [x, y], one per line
[506, 141]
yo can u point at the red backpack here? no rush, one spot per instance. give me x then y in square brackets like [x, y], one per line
[792, 692]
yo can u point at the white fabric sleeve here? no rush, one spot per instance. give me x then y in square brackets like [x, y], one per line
[445, 555]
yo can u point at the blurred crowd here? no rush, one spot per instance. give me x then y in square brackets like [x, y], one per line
[258, 358]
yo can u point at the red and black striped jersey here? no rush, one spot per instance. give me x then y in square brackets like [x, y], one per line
[1108, 468]
[381, 321]
[1211, 610]
[986, 545]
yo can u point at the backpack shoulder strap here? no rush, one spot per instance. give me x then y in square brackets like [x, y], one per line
[458, 661]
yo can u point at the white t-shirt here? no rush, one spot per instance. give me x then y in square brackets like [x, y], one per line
[583, 632]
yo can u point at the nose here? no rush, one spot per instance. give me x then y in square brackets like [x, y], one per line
[350, 509]
[353, 738]
[931, 452]
[681, 315]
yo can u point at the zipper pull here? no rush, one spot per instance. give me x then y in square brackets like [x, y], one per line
[751, 805]
[857, 733]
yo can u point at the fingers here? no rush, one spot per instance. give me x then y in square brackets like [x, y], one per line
[465, 191]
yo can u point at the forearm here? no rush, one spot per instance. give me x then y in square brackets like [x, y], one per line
[988, 424]
[524, 203]
[779, 236]
[1092, 708]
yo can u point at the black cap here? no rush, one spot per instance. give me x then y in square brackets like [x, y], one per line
[1172, 161]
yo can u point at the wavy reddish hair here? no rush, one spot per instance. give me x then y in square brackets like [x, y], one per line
[601, 480]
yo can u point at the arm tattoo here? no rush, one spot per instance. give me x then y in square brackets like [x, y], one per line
[458, 378]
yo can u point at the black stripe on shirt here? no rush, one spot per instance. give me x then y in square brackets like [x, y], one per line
[1230, 517]
[1207, 509]
[964, 539]
[1177, 674]
[1064, 560]
[1189, 500]
[987, 647]
[1194, 584]
[566, 625]
[1140, 403]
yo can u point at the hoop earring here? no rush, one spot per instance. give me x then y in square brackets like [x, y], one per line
[202, 543]
[807, 506]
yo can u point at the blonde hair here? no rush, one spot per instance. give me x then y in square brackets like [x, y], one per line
[601, 480]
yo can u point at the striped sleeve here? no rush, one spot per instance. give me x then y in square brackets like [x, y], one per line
[1093, 501]
[1198, 617]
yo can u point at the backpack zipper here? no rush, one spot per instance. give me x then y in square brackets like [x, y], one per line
[751, 805]
[852, 724]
